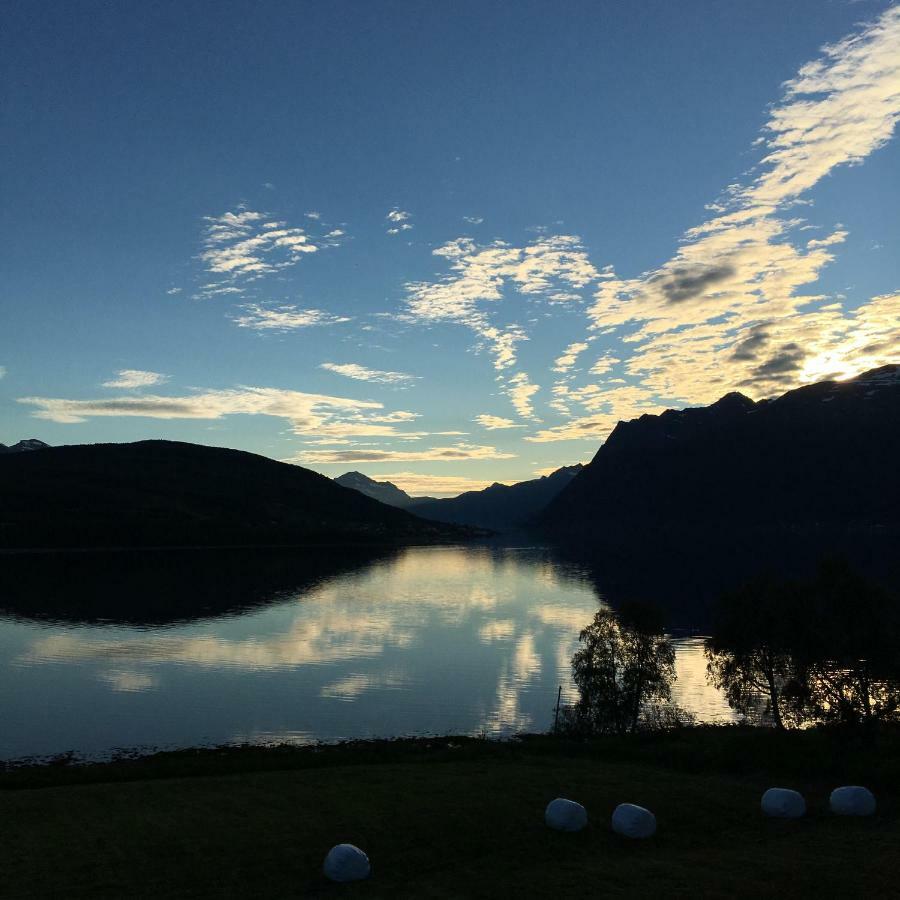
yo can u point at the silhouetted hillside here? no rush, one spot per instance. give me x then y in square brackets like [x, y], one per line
[165, 493]
[383, 491]
[819, 461]
[500, 506]
[23, 446]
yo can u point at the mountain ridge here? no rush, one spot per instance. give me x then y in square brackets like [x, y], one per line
[820, 457]
[499, 506]
[24, 446]
[384, 491]
[170, 493]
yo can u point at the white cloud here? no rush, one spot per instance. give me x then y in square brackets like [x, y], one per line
[492, 423]
[2, 371]
[314, 414]
[520, 391]
[283, 318]
[135, 378]
[242, 246]
[606, 406]
[361, 373]
[473, 220]
[604, 364]
[565, 362]
[731, 309]
[398, 220]
[458, 452]
[478, 277]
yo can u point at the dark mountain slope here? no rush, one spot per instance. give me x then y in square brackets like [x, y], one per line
[164, 493]
[499, 506]
[819, 460]
[24, 446]
[383, 491]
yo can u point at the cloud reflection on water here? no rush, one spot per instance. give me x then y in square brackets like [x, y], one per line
[435, 639]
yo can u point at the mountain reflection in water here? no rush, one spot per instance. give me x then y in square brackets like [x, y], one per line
[169, 649]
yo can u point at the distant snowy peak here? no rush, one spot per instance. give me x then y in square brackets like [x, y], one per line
[23, 446]
[383, 491]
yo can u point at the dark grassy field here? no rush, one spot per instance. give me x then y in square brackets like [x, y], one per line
[456, 818]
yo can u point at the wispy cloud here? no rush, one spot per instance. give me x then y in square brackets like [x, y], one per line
[307, 414]
[473, 220]
[732, 308]
[244, 245]
[478, 279]
[459, 452]
[398, 220]
[565, 362]
[520, 391]
[606, 405]
[135, 378]
[492, 423]
[2, 371]
[283, 318]
[397, 215]
[362, 373]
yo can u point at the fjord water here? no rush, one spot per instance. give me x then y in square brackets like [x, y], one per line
[174, 650]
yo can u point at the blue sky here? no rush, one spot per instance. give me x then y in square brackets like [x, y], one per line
[444, 243]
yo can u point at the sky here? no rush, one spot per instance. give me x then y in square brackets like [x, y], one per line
[444, 243]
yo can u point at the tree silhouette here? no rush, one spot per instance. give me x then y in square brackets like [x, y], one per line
[749, 657]
[625, 664]
[850, 649]
[821, 651]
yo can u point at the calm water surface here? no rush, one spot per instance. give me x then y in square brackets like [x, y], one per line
[428, 640]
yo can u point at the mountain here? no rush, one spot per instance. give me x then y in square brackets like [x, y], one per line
[500, 506]
[22, 446]
[820, 461]
[383, 491]
[165, 493]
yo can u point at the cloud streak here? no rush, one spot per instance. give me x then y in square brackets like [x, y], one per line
[260, 317]
[129, 379]
[318, 415]
[493, 423]
[363, 373]
[460, 452]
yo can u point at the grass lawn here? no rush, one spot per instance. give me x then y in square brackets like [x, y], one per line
[455, 818]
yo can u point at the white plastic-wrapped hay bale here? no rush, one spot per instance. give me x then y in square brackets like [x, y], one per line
[783, 803]
[345, 862]
[565, 815]
[633, 821]
[852, 800]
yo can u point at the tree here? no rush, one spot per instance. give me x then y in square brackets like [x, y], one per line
[850, 649]
[821, 651]
[749, 657]
[624, 664]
